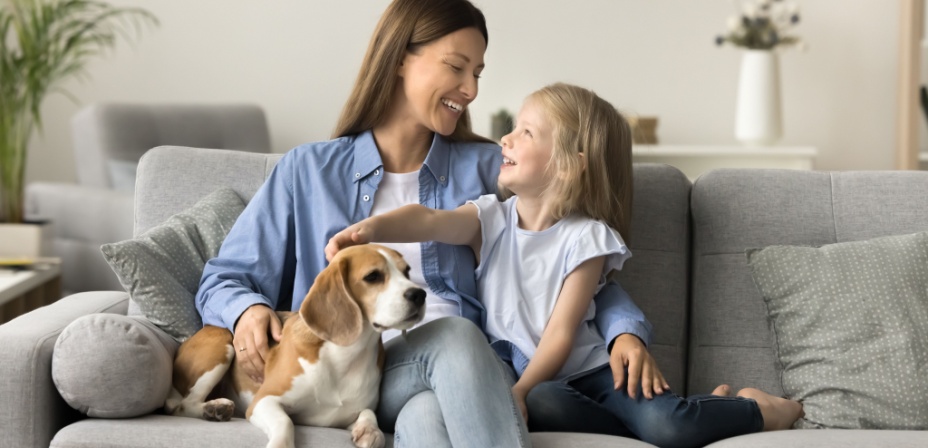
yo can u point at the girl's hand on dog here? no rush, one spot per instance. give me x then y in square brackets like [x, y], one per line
[360, 233]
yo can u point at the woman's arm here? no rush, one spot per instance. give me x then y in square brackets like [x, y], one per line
[240, 287]
[410, 224]
[558, 338]
[627, 332]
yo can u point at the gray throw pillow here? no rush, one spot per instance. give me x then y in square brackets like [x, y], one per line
[161, 268]
[851, 328]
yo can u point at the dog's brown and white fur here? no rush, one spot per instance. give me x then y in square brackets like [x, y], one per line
[326, 369]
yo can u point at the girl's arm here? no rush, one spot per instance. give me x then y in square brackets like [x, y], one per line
[410, 224]
[558, 337]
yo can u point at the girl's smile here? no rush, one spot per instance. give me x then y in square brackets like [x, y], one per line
[527, 151]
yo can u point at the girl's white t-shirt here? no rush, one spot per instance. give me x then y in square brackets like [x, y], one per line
[396, 190]
[521, 273]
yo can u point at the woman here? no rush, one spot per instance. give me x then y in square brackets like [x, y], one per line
[403, 137]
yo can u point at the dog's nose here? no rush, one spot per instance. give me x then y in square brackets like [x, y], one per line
[415, 295]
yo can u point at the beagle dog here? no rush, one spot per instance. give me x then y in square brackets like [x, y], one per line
[326, 369]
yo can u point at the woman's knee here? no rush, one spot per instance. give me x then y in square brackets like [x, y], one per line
[420, 423]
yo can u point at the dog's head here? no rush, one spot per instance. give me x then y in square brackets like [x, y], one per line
[363, 285]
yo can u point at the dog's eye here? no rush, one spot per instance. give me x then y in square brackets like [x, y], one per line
[374, 277]
[406, 272]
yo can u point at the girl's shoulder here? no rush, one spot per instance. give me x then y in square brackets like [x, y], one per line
[595, 238]
[586, 228]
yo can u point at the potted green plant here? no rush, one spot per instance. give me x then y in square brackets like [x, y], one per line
[42, 44]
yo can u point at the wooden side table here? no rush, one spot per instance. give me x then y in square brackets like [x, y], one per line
[26, 290]
[694, 160]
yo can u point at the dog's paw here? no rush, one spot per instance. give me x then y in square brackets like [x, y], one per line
[218, 410]
[367, 436]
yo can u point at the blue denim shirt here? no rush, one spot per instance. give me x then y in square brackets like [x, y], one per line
[275, 249]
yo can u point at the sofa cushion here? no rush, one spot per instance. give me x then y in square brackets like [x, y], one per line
[180, 432]
[161, 268]
[113, 366]
[850, 322]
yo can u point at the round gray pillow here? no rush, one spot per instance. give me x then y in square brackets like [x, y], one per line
[113, 366]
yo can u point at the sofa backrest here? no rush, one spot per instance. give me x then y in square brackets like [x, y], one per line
[733, 210]
[171, 179]
[109, 138]
[657, 275]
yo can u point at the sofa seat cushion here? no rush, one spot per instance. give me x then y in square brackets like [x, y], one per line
[832, 438]
[158, 431]
[851, 327]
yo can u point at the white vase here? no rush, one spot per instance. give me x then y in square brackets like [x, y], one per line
[758, 117]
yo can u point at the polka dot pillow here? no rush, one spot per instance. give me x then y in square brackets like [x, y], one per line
[850, 322]
[161, 268]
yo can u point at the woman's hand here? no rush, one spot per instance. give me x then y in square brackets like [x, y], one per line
[360, 233]
[629, 351]
[250, 339]
[519, 396]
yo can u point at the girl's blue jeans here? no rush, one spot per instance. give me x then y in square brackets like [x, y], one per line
[590, 404]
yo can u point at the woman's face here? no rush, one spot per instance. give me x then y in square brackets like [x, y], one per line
[440, 80]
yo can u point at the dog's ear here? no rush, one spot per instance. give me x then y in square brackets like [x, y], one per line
[329, 310]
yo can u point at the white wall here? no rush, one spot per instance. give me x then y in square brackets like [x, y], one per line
[298, 58]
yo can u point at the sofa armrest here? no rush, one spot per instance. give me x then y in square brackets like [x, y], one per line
[31, 410]
[83, 218]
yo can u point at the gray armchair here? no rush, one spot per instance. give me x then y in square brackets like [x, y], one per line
[109, 139]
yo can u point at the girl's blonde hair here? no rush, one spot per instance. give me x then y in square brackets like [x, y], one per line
[405, 26]
[599, 184]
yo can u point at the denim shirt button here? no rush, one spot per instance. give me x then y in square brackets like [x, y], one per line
[376, 172]
[441, 178]
[366, 198]
[357, 175]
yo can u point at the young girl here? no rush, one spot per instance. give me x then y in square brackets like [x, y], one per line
[545, 251]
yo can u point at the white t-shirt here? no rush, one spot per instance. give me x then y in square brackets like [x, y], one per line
[396, 190]
[521, 273]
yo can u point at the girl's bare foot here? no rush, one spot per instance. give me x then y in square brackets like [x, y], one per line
[778, 413]
[723, 390]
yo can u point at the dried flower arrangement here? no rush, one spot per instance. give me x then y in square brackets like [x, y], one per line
[762, 25]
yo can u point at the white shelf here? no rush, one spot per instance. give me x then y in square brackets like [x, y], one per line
[694, 160]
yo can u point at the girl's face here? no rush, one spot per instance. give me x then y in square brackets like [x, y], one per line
[527, 151]
[440, 80]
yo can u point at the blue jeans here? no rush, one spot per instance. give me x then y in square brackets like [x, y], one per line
[590, 404]
[444, 386]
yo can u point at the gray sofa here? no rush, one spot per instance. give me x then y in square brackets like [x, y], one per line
[109, 139]
[688, 274]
